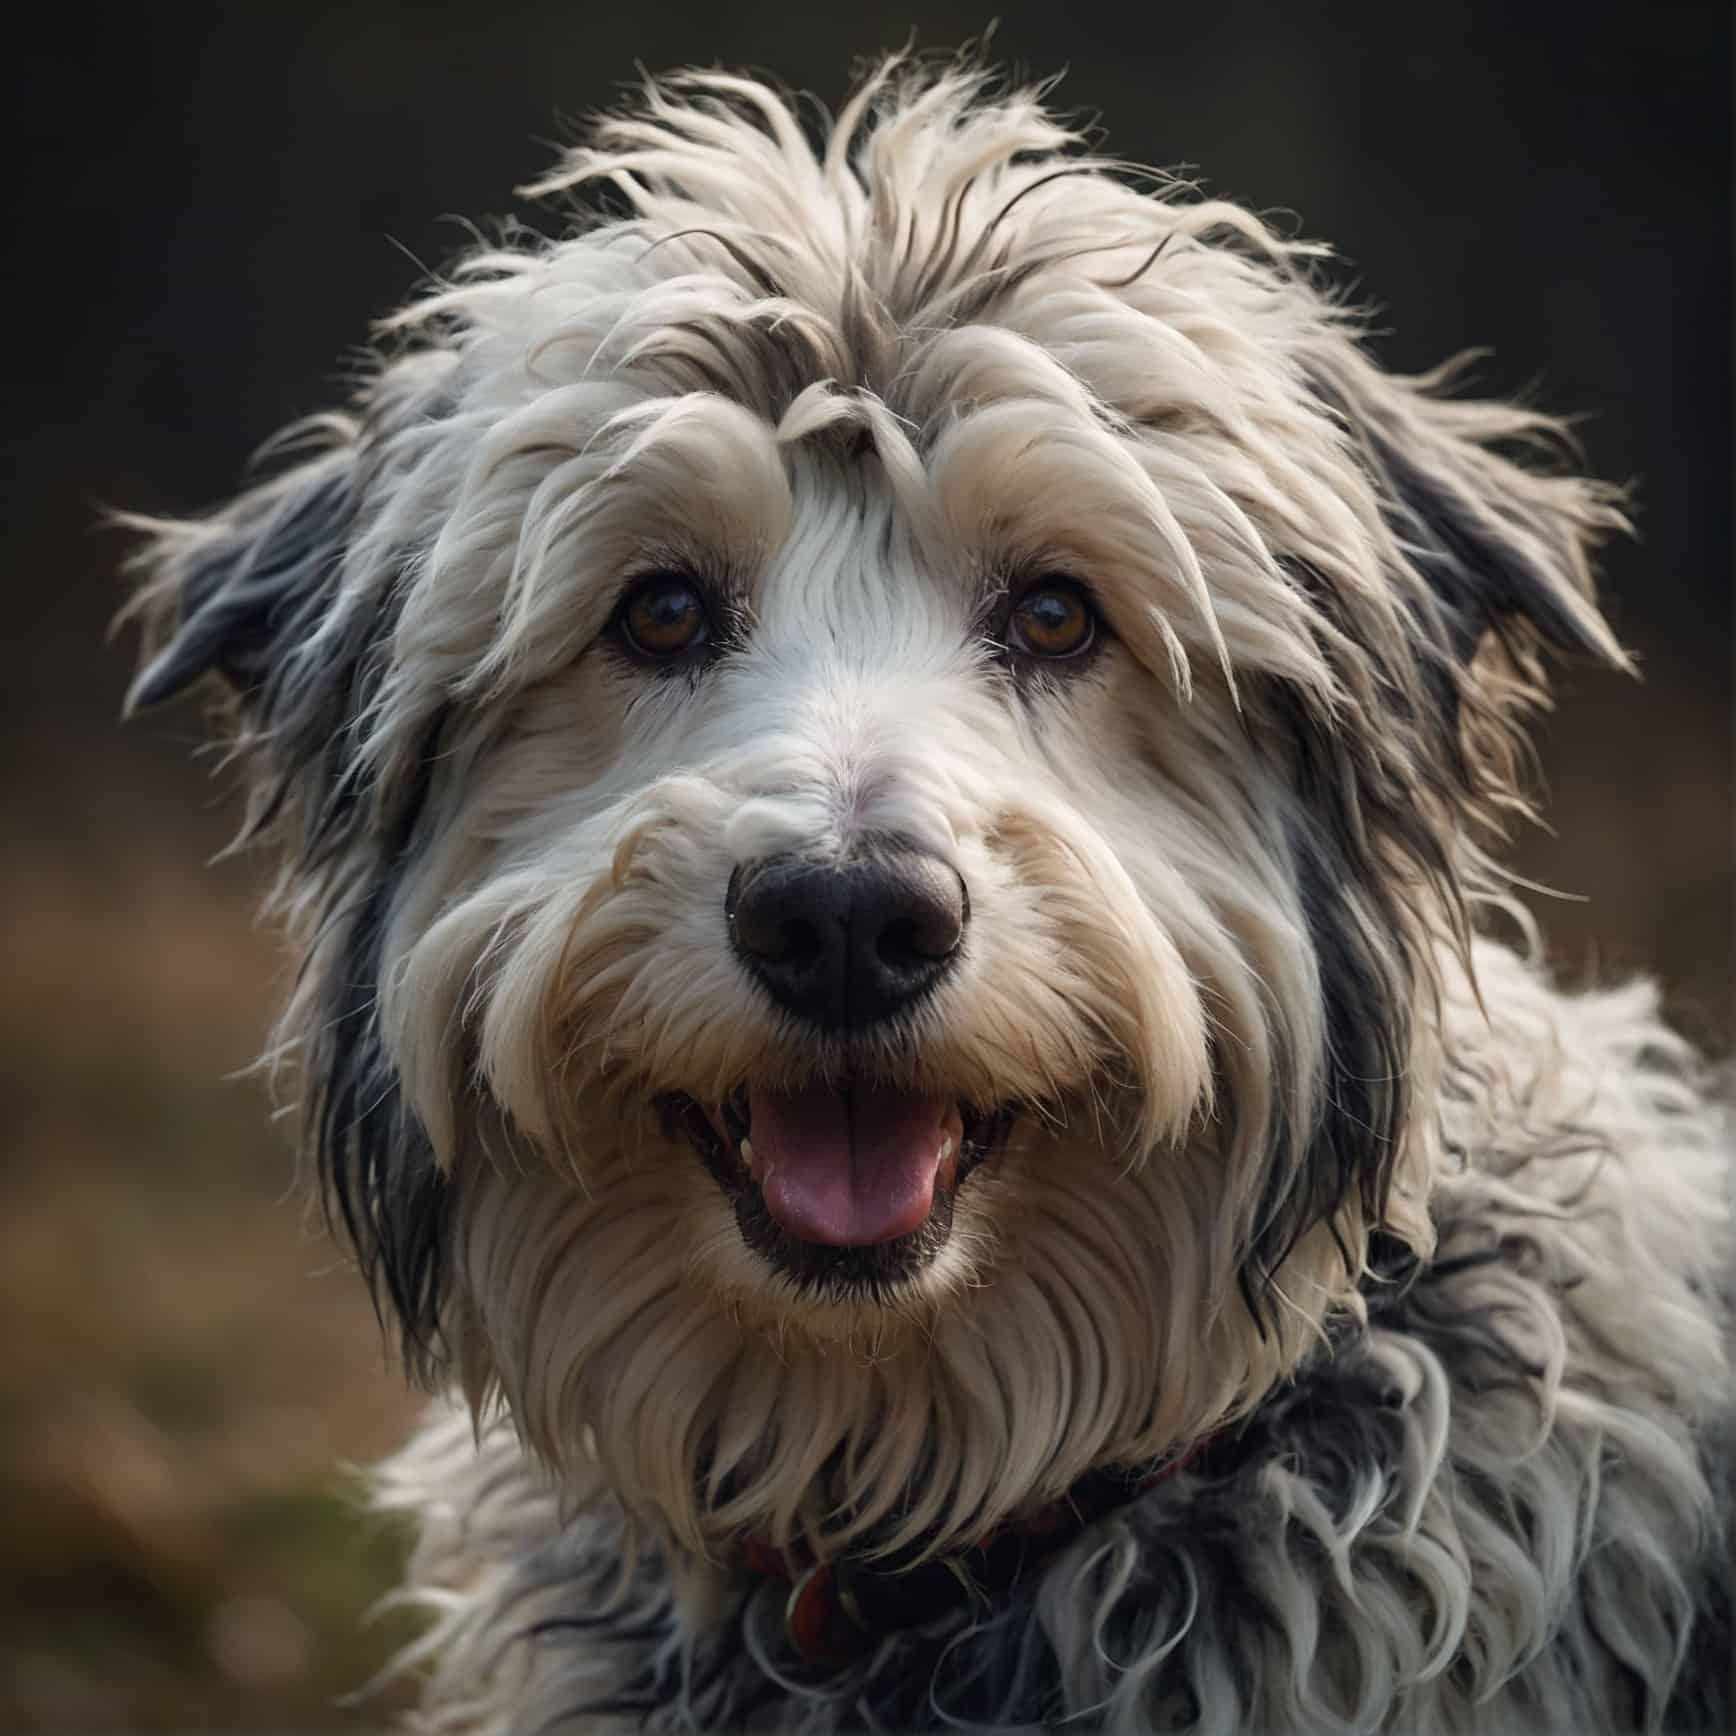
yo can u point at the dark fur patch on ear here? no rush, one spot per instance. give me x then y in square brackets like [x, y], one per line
[1430, 752]
[1483, 576]
[245, 602]
[1497, 548]
[254, 587]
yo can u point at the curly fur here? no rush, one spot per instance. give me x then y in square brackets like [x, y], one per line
[1431, 1257]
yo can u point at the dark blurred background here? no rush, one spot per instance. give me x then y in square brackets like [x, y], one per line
[205, 205]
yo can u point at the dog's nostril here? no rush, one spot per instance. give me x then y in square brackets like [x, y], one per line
[794, 942]
[900, 943]
[768, 923]
[922, 939]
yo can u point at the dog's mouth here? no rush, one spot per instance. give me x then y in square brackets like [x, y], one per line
[843, 1189]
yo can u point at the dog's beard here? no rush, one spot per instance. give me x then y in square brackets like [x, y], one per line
[607, 1320]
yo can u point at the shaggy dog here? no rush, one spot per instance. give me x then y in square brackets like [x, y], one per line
[886, 753]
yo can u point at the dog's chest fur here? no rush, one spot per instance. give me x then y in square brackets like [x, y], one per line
[1487, 1508]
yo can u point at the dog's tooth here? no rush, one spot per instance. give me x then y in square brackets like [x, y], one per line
[747, 1156]
[945, 1150]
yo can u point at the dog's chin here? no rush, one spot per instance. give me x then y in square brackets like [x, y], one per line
[831, 1271]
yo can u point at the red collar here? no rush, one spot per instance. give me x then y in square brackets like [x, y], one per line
[837, 1608]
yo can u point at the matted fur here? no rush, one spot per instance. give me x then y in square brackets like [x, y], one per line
[1222, 886]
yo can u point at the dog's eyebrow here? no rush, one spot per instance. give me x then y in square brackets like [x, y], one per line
[1065, 495]
[693, 481]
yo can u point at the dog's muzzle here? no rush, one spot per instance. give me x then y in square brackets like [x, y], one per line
[849, 1178]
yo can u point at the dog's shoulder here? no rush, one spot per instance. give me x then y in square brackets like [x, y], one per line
[1588, 1108]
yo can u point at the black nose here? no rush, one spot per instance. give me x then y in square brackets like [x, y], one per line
[845, 944]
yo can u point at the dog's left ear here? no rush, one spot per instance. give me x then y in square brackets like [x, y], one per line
[1487, 562]
[1497, 547]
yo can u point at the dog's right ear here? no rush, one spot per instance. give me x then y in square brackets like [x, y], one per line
[267, 598]
[234, 594]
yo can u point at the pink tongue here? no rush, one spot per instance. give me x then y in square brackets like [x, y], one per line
[850, 1170]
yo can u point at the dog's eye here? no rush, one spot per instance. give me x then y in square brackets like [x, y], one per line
[1054, 620]
[664, 617]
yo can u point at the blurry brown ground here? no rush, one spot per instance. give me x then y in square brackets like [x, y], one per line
[198, 232]
[183, 1370]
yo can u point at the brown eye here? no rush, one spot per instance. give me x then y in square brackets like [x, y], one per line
[1053, 619]
[663, 617]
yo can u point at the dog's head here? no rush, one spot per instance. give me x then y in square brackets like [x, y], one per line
[876, 757]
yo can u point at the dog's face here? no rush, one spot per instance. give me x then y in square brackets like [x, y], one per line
[876, 757]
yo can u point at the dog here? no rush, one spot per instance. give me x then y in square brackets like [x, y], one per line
[889, 755]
